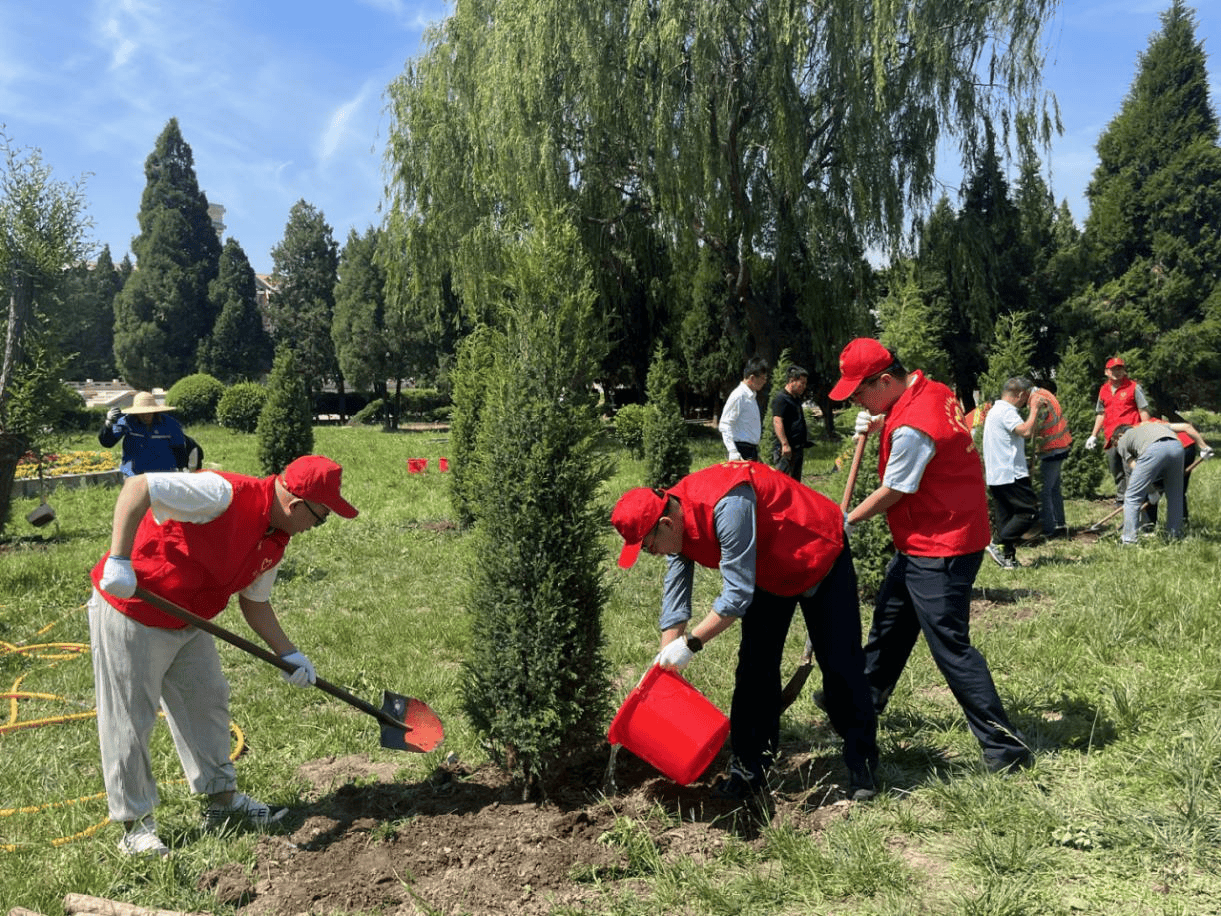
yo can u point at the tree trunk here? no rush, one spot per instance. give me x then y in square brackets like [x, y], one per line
[12, 447]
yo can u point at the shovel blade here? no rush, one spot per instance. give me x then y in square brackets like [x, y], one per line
[422, 731]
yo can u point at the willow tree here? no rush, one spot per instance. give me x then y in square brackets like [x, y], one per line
[785, 138]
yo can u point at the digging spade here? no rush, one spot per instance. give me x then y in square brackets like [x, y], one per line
[792, 689]
[407, 723]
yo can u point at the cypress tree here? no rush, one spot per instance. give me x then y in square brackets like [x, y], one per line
[238, 349]
[536, 685]
[285, 430]
[667, 451]
[164, 311]
[306, 265]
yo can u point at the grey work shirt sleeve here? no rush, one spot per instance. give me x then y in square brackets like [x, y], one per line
[734, 522]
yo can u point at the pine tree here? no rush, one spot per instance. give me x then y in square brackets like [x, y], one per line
[84, 318]
[1152, 242]
[163, 311]
[285, 431]
[238, 349]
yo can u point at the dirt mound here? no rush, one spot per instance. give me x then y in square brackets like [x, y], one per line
[465, 842]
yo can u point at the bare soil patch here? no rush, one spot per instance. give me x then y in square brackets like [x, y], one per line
[464, 842]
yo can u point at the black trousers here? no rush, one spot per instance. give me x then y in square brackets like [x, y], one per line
[748, 450]
[1017, 511]
[932, 595]
[833, 619]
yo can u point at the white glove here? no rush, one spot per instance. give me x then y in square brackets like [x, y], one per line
[675, 655]
[1091, 443]
[113, 414]
[118, 578]
[305, 675]
[848, 526]
[863, 420]
[1206, 454]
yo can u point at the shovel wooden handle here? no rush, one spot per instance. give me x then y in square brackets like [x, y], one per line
[258, 651]
[856, 466]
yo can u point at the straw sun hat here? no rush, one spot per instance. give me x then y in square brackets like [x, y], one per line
[144, 402]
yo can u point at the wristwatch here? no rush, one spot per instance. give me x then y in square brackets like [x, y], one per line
[694, 643]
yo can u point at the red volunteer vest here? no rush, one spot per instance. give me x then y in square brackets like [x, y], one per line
[1052, 430]
[200, 567]
[799, 532]
[1118, 408]
[948, 515]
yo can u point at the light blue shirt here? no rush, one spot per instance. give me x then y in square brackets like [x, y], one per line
[910, 452]
[734, 524]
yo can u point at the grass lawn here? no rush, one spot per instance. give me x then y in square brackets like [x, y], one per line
[1107, 660]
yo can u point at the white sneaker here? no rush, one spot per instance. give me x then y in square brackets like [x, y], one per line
[142, 839]
[245, 808]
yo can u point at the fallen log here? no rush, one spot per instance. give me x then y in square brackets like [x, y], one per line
[84, 905]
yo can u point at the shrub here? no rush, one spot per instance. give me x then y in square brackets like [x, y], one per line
[194, 398]
[667, 451]
[285, 429]
[369, 415]
[476, 353]
[629, 429]
[240, 406]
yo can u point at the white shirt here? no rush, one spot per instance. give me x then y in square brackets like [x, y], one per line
[197, 499]
[1004, 450]
[740, 420]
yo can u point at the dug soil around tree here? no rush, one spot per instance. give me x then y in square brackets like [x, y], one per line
[464, 842]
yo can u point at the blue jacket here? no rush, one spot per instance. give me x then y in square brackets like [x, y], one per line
[146, 448]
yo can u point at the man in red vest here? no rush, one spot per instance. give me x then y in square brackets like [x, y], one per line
[777, 544]
[196, 540]
[932, 492]
[1121, 402]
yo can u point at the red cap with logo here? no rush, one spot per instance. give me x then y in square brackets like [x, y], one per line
[634, 516]
[862, 358]
[1116, 361]
[316, 478]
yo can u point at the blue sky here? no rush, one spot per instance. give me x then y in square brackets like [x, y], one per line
[282, 101]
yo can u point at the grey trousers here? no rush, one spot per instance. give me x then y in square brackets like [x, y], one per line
[1163, 460]
[137, 668]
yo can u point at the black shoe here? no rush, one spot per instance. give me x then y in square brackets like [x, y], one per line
[737, 787]
[1009, 763]
[1060, 533]
[861, 787]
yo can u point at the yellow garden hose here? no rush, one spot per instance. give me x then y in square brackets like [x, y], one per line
[55, 652]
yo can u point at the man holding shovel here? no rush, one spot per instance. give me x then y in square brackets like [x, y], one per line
[777, 544]
[194, 539]
[932, 492]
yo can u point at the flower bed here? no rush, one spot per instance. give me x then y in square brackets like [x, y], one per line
[65, 469]
[56, 465]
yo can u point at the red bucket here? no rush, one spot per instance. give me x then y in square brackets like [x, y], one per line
[443, 464]
[417, 465]
[669, 724]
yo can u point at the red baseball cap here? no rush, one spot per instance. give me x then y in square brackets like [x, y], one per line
[1116, 361]
[316, 478]
[634, 516]
[862, 358]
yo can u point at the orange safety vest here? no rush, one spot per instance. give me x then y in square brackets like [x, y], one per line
[1052, 430]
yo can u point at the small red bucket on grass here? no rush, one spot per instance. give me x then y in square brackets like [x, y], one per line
[417, 465]
[669, 724]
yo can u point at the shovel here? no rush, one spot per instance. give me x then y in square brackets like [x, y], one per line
[407, 723]
[792, 690]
